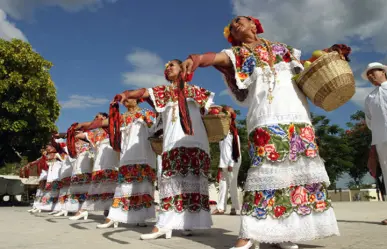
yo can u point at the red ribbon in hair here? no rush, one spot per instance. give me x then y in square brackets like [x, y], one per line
[235, 143]
[71, 141]
[115, 124]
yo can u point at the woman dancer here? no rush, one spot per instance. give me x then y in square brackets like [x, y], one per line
[134, 194]
[51, 193]
[183, 185]
[286, 187]
[42, 168]
[104, 175]
[81, 175]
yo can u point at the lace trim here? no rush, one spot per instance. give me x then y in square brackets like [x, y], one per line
[293, 229]
[281, 175]
[180, 185]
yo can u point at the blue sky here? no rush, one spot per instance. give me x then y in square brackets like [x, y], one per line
[100, 48]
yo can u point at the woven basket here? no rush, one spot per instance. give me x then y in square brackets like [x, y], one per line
[156, 144]
[217, 126]
[328, 82]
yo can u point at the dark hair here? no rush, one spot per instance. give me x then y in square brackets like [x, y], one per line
[104, 114]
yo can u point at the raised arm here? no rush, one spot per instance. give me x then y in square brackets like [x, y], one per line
[205, 60]
[93, 124]
[141, 93]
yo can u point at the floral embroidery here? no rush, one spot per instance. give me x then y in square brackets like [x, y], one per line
[133, 203]
[62, 199]
[102, 176]
[99, 135]
[247, 61]
[82, 146]
[42, 184]
[65, 182]
[48, 200]
[100, 197]
[193, 202]
[136, 173]
[55, 185]
[84, 178]
[182, 160]
[281, 203]
[148, 116]
[277, 143]
[77, 198]
[165, 94]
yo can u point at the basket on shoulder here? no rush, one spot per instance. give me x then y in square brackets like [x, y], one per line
[217, 123]
[327, 79]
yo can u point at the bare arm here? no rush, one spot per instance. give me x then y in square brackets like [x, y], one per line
[205, 60]
[141, 93]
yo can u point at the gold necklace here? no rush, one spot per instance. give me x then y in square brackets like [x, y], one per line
[251, 48]
[174, 98]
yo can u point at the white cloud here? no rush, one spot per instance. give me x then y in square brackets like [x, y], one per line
[20, 9]
[8, 30]
[224, 92]
[81, 102]
[148, 69]
[318, 24]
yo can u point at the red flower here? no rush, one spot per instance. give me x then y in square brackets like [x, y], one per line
[195, 163]
[179, 205]
[258, 198]
[279, 211]
[195, 198]
[274, 155]
[261, 137]
[192, 151]
[185, 159]
[178, 165]
[202, 154]
[166, 206]
[166, 164]
[161, 94]
[286, 57]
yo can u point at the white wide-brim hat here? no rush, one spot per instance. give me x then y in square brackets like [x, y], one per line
[373, 65]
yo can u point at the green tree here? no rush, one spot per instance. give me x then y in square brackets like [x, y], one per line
[334, 147]
[28, 103]
[359, 138]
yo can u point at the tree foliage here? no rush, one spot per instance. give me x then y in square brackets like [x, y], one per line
[28, 102]
[334, 148]
[359, 138]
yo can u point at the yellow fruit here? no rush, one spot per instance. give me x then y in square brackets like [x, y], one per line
[318, 53]
[307, 64]
[295, 77]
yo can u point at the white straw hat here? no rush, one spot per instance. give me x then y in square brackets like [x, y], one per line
[373, 65]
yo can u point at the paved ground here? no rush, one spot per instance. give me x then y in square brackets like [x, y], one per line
[359, 227]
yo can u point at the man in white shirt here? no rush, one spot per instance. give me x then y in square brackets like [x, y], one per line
[229, 164]
[376, 112]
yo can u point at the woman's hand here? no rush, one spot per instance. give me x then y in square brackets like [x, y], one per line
[186, 67]
[119, 98]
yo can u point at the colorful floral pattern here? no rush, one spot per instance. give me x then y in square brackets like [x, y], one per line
[247, 61]
[84, 178]
[192, 202]
[277, 143]
[65, 182]
[133, 203]
[77, 198]
[55, 185]
[62, 199]
[103, 176]
[136, 173]
[100, 197]
[42, 184]
[281, 203]
[82, 146]
[48, 200]
[148, 116]
[99, 135]
[166, 94]
[182, 161]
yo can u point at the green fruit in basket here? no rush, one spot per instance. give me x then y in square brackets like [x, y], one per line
[318, 53]
[295, 77]
[307, 64]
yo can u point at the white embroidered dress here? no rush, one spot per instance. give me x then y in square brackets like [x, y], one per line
[104, 175]
[134, 194]
[51, 192]
[286, 187]
[183, 185]
[65, 179]
[40, 191]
